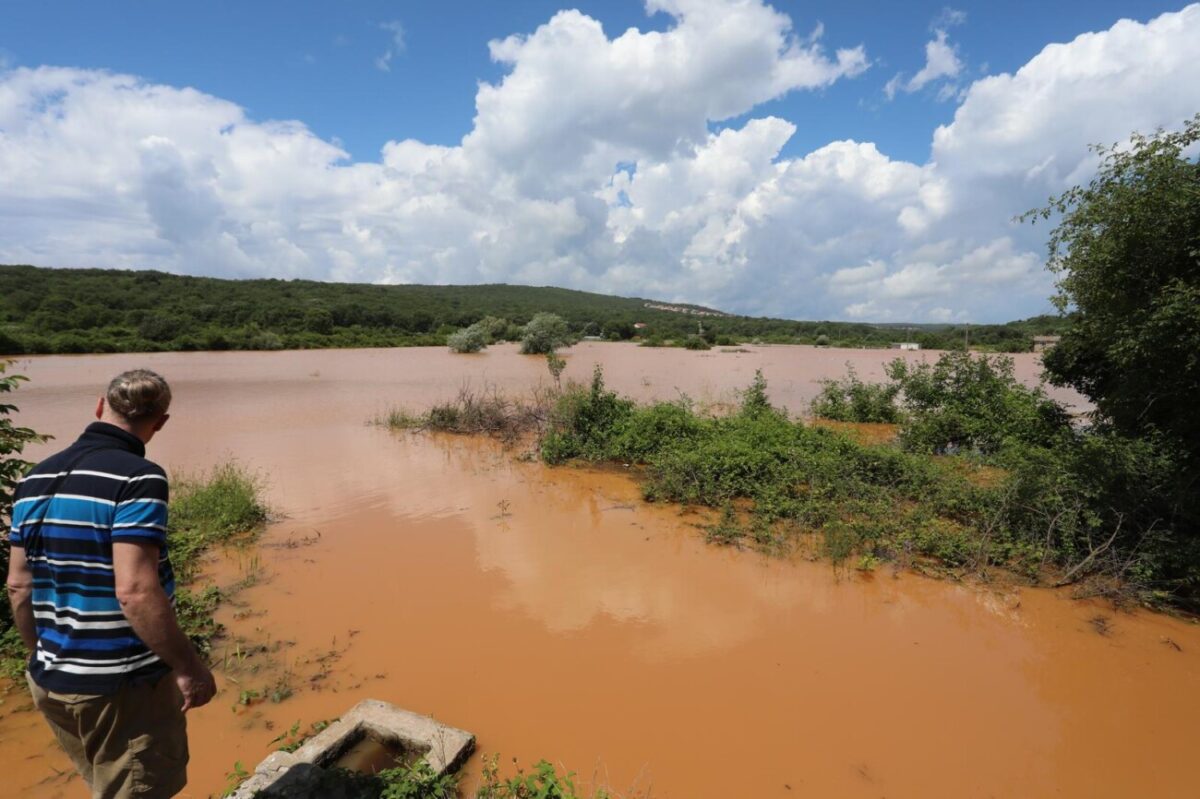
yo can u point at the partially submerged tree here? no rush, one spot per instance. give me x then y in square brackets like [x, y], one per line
[1127, 253]
[545, 333]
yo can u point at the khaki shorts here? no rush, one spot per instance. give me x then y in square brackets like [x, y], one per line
[131, 743]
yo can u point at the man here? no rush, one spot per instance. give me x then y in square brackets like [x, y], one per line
[93, 597]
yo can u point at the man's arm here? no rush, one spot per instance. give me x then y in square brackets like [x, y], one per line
[20, 596]
[149, 612]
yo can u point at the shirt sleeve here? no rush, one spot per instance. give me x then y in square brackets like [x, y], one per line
[141, 513]
[19, 512]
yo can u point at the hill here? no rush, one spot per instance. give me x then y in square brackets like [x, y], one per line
[104, 310]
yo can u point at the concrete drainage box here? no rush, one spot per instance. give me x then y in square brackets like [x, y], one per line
[372, 734]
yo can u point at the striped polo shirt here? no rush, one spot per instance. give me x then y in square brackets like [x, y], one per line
[66, 514]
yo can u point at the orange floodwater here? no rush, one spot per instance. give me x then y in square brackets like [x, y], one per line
[555, 615]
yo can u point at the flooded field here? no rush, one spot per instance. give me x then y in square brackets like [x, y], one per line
[556, 616]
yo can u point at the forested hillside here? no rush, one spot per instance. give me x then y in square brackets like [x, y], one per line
[97, 310]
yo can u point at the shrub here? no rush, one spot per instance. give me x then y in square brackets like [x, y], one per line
[544, 333]
[694, 342]
[584, 422]
[493, 327]
[851, 400]
[469, 339]
[649, 430]
[754, 399]
[973, 403]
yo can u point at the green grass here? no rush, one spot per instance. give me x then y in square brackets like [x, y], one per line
[221, 506]
[215, 507]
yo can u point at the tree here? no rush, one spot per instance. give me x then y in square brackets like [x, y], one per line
[545, 333]
[1127, 252]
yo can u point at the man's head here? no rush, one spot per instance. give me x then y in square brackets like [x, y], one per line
[136, 401]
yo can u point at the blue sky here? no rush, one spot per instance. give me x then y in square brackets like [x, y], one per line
[315, 62]
[358, 75]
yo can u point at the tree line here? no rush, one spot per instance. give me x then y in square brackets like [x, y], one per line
[103, 310]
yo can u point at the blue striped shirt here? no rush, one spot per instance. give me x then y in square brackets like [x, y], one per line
[67, 513]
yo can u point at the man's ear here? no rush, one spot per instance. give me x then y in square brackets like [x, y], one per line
[162, 420]
[99, 407]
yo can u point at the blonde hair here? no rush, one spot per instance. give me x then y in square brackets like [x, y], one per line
[138, 394]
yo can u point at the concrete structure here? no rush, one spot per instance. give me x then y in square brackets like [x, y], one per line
[1043, 343]
[297, 775]
[906, 345]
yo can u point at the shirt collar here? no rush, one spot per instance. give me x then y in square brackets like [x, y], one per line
[109, 435]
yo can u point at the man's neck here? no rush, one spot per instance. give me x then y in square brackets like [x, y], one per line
[137, 431]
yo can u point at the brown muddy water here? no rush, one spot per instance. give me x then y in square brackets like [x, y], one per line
[556, 616]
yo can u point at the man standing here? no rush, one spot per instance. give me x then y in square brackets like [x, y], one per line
[93, 597]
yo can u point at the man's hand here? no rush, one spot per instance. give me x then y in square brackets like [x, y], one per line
[197, 685]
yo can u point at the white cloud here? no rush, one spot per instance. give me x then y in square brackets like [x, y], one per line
[948, 18]
[383, 62]
[591, 164]
[941, 63]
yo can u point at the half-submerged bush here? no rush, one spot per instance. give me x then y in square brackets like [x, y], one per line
[469, 339]
[485, 412]
[545, 333]
[584, 422]
[968, 403]
[852, 400]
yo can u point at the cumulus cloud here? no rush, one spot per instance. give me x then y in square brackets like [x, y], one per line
[595, 163]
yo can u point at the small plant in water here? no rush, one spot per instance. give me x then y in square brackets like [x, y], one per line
[556, 365]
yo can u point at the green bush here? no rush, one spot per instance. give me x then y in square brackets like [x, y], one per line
[545, 333]
[469, 339]
[694, 342]
[967, 403]
[651, 429]
[851, 400]
[585, 422]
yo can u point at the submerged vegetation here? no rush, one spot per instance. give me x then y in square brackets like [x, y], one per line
[984, 473]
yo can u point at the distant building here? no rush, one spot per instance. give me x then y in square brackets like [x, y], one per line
[1043, 343]
[639, 325]
[906, 345]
